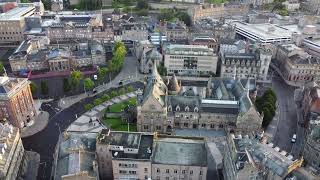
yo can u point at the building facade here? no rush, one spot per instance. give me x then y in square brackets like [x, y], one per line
[249, 157]
[137, 155]
[190, 60]
[13, 162]
[175, 31]
[38, 54]
[297, 65]
[17, 106]
[205, 41]
[12, 23]
[244, 65]
[221, 104]
[217, 11]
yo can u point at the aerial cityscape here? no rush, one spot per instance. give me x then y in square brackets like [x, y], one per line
[160, 89]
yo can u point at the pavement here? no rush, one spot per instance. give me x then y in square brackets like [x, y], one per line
[127, 73]
[82, 123]
[38, 125]
[33, 165]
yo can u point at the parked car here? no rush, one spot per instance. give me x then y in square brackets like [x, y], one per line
[294, 138]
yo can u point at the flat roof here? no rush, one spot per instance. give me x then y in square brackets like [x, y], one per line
[16, 13]
[265, 31]
[180, 151]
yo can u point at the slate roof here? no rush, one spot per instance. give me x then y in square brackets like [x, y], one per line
[183, 102]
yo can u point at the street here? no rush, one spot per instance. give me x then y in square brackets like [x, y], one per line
[45, 141]
[284, 124]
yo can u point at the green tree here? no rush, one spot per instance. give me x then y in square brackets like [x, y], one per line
[102, 72]
[130, 89]
[88, 84]
[66, 85]
[97, 101]
[33, 88]
[162, 70]
[184, 16]
[122, 91]
[25, 1]
[44, 88]
[113, 94]
[119, 54]
[87, 107]
[75, 77]
[1, 69]
[47, 4]
[105, 97]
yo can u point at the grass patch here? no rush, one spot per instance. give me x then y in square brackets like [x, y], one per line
[118, 125]
[119, 107]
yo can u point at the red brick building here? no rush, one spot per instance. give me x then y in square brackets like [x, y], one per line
[16, 103]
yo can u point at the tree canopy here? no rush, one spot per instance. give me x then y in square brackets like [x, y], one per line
[1, 69]
[88, 84]
[267, 105]
[172, 14]
[75, 77]
[119, 54]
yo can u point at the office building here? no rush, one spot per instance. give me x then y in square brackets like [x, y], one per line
[190, 60]
[16, 103]
[12, 23]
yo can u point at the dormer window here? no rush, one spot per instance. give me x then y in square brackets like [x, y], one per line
[196, 109]
[178, 108]
[187, 109]
[169, 108]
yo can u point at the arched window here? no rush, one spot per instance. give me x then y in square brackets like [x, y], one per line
[187, 109]
[178, 108]
[196, 109]
[169, 108]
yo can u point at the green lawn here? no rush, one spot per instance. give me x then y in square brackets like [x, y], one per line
[118, 125]
[119, 107]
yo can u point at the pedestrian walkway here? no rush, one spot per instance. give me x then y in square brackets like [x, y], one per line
[272, 127]
[83, 124]
[38, 125]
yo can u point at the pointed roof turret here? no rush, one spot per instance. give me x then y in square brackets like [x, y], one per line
[173, 85]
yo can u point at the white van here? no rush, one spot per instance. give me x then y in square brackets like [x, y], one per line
[294, 138]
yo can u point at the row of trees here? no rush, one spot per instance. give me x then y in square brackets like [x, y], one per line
[267, 105]
[119, 53]
[172, 14]
[108, 96]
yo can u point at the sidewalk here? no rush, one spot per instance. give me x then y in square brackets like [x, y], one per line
[33, 159]
[82, 124]
[38, 125]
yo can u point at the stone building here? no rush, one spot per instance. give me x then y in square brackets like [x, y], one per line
[137, 155]
[222, 30]
[133, 32]
[296, 65]
[175, 31]
[78, 27]
[179, 158]
[232, 46]
[257, 2]
[37, 54]
[205, 41]
[16, 103]
[75, 157]
[217, 11]
[13, 160]
[124, 155]
[254, 64]
[190, 60]
[12, 23]
[220, 103]
[249, 157]
[311, 120]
